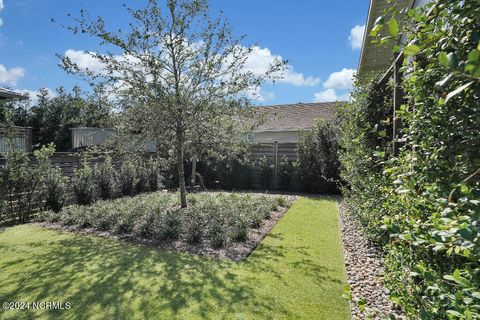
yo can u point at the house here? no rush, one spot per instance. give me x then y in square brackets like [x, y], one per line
[375, 58]
[283, 123]
[22, 136]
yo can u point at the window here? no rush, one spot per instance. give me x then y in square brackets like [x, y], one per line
[251, 137]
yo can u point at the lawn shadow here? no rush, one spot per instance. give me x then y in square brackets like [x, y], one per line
[98, 275]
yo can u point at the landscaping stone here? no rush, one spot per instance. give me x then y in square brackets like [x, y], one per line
[364, 267]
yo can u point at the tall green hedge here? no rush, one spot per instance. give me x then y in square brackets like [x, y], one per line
[423, 205]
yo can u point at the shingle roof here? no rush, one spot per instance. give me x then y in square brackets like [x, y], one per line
[299, 116]
[8, 94]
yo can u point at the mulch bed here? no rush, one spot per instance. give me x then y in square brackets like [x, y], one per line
[235, 251]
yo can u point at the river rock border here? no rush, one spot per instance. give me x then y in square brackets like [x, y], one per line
[364, 267]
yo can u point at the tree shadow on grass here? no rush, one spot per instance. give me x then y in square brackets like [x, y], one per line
[124, 281]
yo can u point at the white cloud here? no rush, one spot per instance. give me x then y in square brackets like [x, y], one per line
[85, 60]
[260, 95]
[261, 58]
[328, 95]
[356, 36]
[1, 8]
[340, 80]
[12, 75]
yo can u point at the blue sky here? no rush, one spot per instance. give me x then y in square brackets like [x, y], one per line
[320, 39]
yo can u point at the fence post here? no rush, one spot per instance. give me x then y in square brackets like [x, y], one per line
[275, 165]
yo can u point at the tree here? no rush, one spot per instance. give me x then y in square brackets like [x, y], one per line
[176, 67]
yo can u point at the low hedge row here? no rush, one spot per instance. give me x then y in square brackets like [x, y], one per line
[220, 218]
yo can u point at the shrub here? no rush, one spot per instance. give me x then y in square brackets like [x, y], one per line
[142, 179]
[127, 178]
[285, 173]
[266, 173]
[195, 223]
[155, 178]
[24, 184]
[422, 203]
[55, 189]
[84, 185]
[318, 159]
[105, 178]
[240, 227]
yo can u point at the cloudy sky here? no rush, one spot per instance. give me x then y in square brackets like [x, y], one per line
[320, 39]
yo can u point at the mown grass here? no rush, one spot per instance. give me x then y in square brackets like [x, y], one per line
[296, 272]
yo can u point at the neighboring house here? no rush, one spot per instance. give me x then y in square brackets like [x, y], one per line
[21, 136]
[283, 123]
[375, 58]
[88, 136]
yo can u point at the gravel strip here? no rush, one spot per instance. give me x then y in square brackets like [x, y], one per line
[364, 266]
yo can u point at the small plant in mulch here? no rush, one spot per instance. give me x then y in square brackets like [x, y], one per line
[215, 220]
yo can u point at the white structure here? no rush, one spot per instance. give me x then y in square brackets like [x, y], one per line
[88, 136]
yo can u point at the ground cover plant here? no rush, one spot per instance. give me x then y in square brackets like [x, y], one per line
[214, 219]
[296, 272]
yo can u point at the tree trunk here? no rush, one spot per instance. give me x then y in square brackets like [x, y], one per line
[181, 170]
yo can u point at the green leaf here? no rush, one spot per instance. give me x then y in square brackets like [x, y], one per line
[411, 50]
[454, 313]
[457, 91]
[393, 27]
[443, 59]
[452, 60]
[474, 55]
[380, 21]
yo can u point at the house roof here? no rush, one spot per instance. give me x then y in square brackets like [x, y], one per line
[8, 94]
[294, 117]
[373, 57]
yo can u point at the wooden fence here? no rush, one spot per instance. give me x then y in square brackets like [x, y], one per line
[274, 152]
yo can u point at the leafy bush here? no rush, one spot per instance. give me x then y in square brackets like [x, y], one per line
[266, 173]
[318, 162]
[286, 171]
[84, 185]
[55, 189]
[128, 178]
[154, 176]
[423, 203]
[24, 184]
[105, 176]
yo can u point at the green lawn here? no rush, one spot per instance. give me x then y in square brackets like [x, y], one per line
[296, 272]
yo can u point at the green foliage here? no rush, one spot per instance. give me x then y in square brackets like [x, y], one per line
[25, 185]
[55, 189]
[84, 185]
[423, 205]
[318, 159]
[266, 173]
[105, 176]
[127, 178]
[216, 217]
[286, 171]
